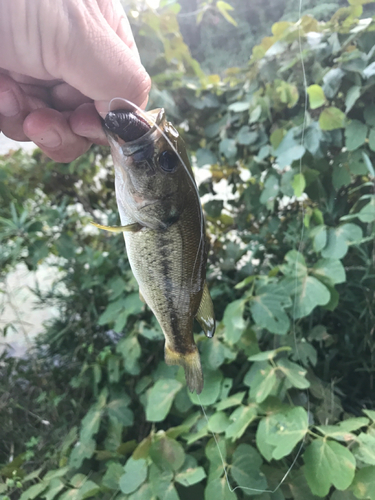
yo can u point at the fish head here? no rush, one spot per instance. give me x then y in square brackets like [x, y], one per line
[153, 173]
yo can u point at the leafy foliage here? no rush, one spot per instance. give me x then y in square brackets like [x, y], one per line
[289, 198]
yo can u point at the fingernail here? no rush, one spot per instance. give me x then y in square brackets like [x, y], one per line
[9, 104]
[50, 139]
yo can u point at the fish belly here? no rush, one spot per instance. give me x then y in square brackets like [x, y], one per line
[161, 264]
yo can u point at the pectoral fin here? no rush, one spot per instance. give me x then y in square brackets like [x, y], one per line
[141, 297]
[132, 228]
[205, 314]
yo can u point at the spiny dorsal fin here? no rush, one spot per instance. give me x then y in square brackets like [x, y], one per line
[205, 314]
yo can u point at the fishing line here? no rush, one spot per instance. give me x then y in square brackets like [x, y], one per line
[295, 301]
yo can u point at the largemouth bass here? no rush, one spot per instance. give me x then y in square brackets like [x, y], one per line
[164, 230]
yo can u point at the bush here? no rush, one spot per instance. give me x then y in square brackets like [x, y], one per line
[290, 204]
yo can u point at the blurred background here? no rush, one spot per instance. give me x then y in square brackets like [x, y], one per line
[275, 102]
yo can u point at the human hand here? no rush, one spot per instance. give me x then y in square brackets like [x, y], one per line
[61, 62]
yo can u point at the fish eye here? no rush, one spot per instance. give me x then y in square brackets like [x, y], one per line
[168, 161]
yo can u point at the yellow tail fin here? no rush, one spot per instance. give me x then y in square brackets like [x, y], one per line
[192, 365]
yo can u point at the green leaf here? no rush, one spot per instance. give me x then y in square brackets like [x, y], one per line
[118, 409]
[369, 115]
[120, 310]
[218, 422]
[351, 97]
[205, 157]
[341, 176]
[55, 486]
[284, 429]
[356, 162]
[342, 495]
[267, 308]
[87, 490]
[238, 107]
[135, 474]
[295, 374]
[261, 378]
[112, 476]
[160, 482]
[277, 136]
[367, 160]
[331, 118]
[320, 237]
[367, 212]
[364, 483]
[369, 70]
[332, 82]
[218, 489]
[263, 446]
[143, 493]
[308, 293]
[316, 96]
[355, 135]
[267, 355]
[34, 475]
[223, 8]
[160, 398]
[328, 463]
[213, 208]
[80, 452]
[255, 114]
[298, 184]
[167, 453]
[245, 468]
[211, 389]
[288, 150]
[234, 400]
[331, 270]
[295, 264]
[130, 350]
[34, 491]
[270, 190]
[228, 148]
[246, 136]
[299, 487]
[338, 240]
[365, 449]
[214, 353]
[241, 418]
[190, 476]
[313, 136]
[233, 321]
[370, 414]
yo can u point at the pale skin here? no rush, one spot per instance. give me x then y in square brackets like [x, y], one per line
[61, 63]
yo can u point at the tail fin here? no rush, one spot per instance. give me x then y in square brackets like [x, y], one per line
[192, 365]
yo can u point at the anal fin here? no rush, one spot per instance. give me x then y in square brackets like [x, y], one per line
[205, 314]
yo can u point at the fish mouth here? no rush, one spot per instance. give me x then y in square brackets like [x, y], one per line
[133, 131]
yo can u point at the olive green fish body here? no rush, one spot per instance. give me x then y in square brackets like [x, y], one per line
[165, 238]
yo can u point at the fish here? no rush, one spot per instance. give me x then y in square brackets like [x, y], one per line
[164, 230]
